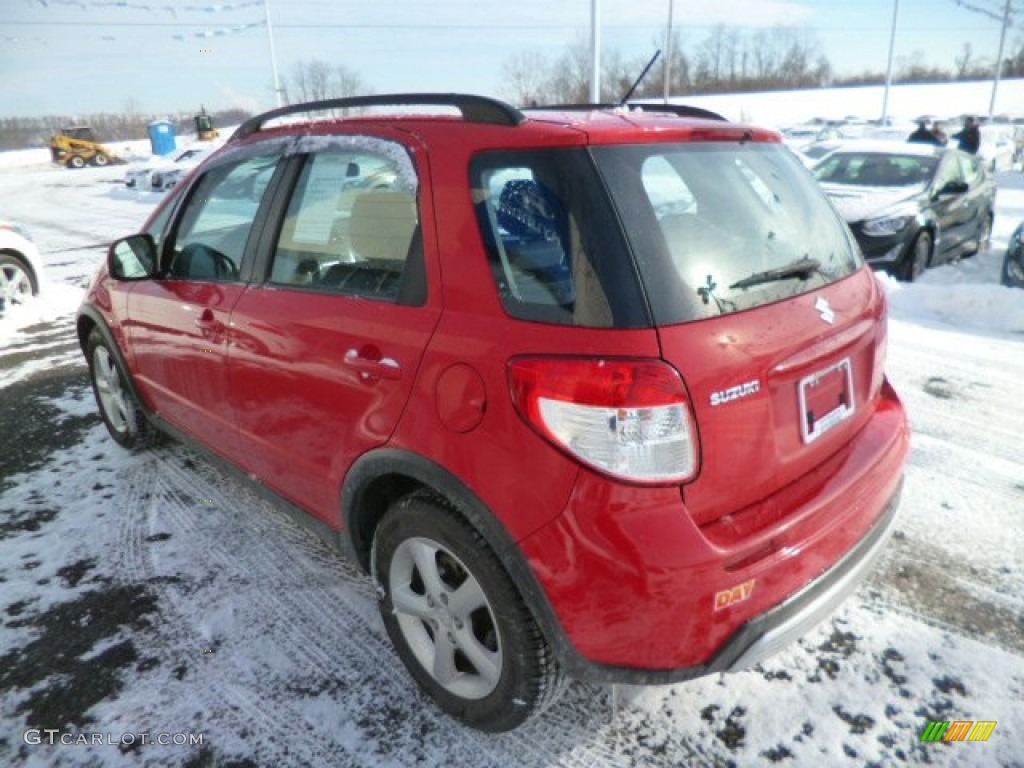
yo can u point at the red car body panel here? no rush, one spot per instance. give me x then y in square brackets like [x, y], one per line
[304, 412]
[177, 332]
[634, 579]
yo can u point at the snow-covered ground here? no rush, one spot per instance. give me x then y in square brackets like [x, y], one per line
[152, 594]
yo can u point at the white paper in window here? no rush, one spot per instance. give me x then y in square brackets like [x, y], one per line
[319, 206]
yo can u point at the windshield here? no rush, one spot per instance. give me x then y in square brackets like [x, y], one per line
[704, 219]
[871, 169]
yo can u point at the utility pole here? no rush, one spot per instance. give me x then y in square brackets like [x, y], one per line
[273, 53]
[888, 68]
[1006, 20]
[999, 60]
[667, 70]
[595, 51]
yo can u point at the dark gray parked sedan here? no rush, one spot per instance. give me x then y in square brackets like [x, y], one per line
[910, 206]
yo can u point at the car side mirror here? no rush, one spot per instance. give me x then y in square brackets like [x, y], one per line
[952, 188]
[132, 258]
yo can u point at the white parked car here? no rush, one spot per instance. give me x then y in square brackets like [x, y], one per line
[799, 136]
[164, 172]
[21, 268]
[997, 147]
[812, 153]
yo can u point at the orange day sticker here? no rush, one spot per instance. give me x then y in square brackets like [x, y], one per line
[734, 595]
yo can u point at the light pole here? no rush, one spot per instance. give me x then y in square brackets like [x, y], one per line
[888, 68]
[999, 59]
[595, 51]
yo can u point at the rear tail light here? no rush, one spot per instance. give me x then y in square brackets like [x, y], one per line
[626, 418]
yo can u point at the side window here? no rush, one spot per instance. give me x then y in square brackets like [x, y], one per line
[553, 242]
[533, 230]
[971, 169]
[949, 171]
[352, 225]
[214, 227]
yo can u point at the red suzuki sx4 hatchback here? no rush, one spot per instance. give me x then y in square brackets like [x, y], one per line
[592, 392]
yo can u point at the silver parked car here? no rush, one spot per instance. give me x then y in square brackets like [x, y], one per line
[21, 268]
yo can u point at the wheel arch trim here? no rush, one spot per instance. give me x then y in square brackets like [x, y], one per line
[358, 510]
[89, 318]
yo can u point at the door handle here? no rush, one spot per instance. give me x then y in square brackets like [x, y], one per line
[371, 369]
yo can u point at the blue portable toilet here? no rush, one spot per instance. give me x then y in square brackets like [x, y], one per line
[161, 137]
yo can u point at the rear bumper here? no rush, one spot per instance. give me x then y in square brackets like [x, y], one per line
[772, 631]
[638, 588]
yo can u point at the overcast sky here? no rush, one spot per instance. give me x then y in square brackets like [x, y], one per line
[75, 57]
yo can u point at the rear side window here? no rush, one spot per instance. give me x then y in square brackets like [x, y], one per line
[555, 249]
[708, 222]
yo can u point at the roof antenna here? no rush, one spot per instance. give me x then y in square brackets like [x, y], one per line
[643, 74]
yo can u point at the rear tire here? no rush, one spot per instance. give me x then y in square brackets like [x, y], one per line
[456, 619]
[984, 234]
[76, 161]
[917, 258]
[121, 412]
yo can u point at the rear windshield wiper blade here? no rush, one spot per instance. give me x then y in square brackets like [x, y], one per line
[802, 268]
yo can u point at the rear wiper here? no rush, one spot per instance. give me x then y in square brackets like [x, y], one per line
[802, 268]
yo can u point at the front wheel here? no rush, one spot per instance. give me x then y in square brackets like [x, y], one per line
[120, 410]
[101, 159]
[1013, 268]
[916, 260]
[17, 282]
[456, 619]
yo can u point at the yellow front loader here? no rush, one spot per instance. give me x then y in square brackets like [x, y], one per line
[76, 146]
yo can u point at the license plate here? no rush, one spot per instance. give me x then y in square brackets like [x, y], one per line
[826, 398]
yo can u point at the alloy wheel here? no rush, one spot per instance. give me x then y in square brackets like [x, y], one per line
[445, 618]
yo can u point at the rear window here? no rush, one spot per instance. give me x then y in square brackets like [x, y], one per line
[555, 248]
[717, 228]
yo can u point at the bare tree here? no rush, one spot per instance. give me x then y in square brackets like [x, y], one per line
[569, 81]
[963, 61]
[318, 74]
[315, 80]
[524, 78]
[347, 82]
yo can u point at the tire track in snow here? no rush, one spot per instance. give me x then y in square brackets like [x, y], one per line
[140, 513]
[325, 611]
[325, 642]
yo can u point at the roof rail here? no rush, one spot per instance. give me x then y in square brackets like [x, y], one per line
[680, 110]
[475, 109]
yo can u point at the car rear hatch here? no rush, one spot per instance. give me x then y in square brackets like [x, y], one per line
[761, 303]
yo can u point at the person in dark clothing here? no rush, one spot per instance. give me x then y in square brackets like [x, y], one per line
[969, 139]
[923, 135]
